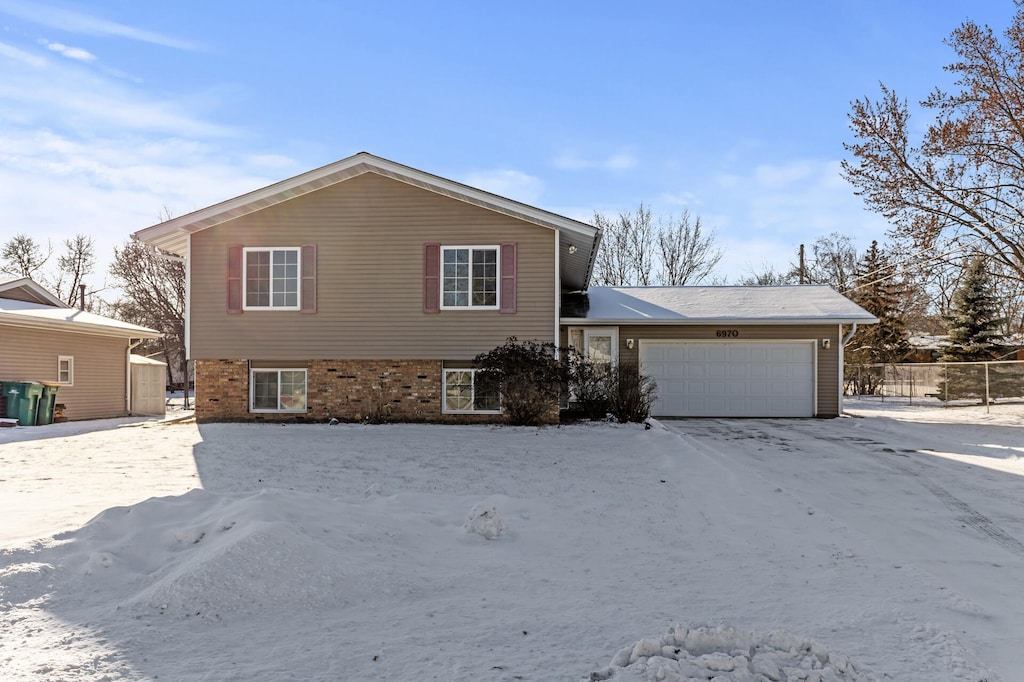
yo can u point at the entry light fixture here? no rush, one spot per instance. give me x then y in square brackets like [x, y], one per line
[629, 344]
[826, 344]
[572, 249]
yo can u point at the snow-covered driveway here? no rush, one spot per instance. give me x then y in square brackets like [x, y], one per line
[343, 552]
[942, 501]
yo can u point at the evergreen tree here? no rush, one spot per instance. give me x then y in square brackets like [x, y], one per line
[886, 342]
[973, 324]
[973, 321]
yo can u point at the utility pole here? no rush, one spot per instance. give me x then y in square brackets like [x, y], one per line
[803, 279]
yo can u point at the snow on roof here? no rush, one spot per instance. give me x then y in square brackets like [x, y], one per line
[143, 360]
[27, 314]
[701, 305]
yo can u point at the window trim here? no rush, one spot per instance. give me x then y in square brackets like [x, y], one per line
[277, 370]
[246, 250]
[496, 248]
[472, 400]
[612, 332]
[70, 359]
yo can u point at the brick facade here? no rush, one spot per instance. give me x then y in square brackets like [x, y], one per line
[348, 390]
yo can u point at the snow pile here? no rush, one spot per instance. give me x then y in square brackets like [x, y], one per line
[485, 521]
[724, 654]
[220, 557]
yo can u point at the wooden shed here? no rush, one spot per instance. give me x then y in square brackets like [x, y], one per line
[149, 386]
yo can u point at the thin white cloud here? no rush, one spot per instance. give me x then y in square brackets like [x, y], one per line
[761, 213]
[54, 186]
[783, 175]
[570, 161]
[27, 58]
[621, 160]
[64, 94]
[76, 53]
[679, 198]
[512, 184]
[77, 22]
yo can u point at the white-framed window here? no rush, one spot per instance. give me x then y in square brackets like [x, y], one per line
[601, 346]
[277, 390]
[461, 394]
[271, 279]
[66, 370]
[469, 277]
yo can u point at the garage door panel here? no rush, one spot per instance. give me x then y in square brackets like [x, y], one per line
[728, 379]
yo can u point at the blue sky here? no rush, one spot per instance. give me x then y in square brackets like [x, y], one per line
[111, 110]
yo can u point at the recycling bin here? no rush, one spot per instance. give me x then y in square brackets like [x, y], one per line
[22, 400]
[47, 399]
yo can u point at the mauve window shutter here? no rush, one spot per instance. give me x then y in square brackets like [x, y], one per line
[308, 289]
[235, 279]
[432, 278]
[508, 277]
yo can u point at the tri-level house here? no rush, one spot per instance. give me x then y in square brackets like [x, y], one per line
[364, 289]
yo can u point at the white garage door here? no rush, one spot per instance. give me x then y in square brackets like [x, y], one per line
[730, 379]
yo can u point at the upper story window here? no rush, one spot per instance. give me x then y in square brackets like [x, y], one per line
[271, 279]
[469, 277]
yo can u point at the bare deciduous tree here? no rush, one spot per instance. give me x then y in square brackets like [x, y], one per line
[23, 257]
[833, 262]
[766, 276]
[73, 266]
[636, 250]
[688, 254]
[627, 248]
[153, 284]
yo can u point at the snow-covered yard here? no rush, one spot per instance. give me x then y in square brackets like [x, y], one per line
[882, 547]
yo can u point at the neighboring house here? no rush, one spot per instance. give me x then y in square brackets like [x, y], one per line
[364, 289]
[44, 340]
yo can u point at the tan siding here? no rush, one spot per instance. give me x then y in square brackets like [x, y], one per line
[369, 233]
[828, 360]
[99, 368]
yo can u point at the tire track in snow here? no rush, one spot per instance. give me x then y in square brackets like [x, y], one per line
[966, 514]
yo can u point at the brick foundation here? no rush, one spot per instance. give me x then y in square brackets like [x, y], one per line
[348, 390]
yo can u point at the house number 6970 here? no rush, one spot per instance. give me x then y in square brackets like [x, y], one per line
[727, 333]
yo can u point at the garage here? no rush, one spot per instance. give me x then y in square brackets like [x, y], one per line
[731, 379]
[722, 351]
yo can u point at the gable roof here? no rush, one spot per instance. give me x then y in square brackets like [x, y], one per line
[25, 303]
[26, 289]
[808, 304]
[578, 241]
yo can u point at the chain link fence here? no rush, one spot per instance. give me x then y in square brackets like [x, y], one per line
[951, 383]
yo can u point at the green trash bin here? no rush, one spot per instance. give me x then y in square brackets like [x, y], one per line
[25, 396]
[13, 391]
[47, 399]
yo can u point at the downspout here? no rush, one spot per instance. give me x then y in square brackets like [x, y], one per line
[128, 374]
[558, 288]
[842, 352]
